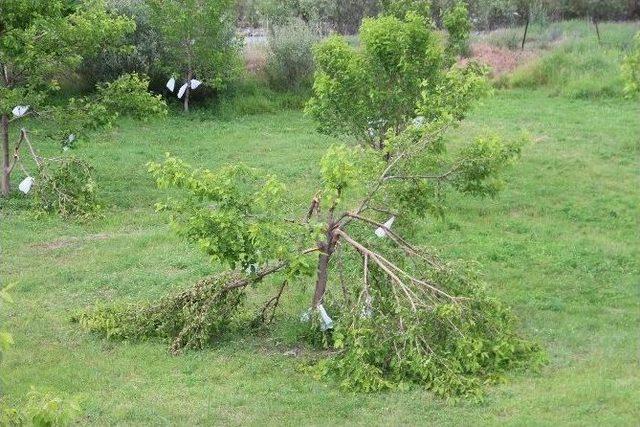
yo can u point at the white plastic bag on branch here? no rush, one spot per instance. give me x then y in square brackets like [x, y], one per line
[195, 83]
[25, 185]
[327, 322]
[20, 110]
[183, 88]
[171, 84]
[380, 231]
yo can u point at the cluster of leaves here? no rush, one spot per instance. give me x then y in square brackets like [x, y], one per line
[400, 8]
[234, 213]
[43, 409]
[45, 39]
[631, 69]
[128, 95]
[66, 186]
[190, 319]
[365, 93]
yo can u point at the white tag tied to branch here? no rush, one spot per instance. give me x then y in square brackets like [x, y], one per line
[326, 321]
[195, 83]
[20, 110]
[26, 184]
[367, 310]
[380, 231]
[183, 88]
[171, 84]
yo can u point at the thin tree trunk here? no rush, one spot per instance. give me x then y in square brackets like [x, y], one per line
[526, 28]
[595, 22]
[6, 185]
[321, 281]
[327, 247]
[188, 91]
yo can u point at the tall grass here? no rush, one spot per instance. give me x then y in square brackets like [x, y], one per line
[578, 65]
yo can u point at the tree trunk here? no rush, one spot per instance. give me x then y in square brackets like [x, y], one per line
[526, 27]
[595, 22]
[321, 281]
[6, 185]
[327, 247]
[188, 91]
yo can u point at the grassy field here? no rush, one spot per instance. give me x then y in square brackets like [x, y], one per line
[560, 245]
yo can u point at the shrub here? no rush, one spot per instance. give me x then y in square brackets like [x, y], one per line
[290, 55]
[128, 96]
[66, 186]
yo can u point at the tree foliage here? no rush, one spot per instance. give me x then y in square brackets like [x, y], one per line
[368, 92]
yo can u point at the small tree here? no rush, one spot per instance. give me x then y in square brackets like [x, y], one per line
[364, 93]
[402, 314]
[38, 42]
[199, 39]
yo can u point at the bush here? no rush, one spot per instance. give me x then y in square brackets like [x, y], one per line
[66, 186]
[128, 96]
[290, 55]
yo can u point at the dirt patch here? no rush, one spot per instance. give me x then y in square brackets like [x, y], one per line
[501, 61]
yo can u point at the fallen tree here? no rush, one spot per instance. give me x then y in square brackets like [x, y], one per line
[395, 312]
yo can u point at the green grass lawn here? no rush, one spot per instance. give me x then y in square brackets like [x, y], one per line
[560, 245]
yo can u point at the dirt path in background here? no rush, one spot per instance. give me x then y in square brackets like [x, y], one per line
[502, 61]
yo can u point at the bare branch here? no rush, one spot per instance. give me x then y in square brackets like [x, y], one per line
[272, 304]
[387, 266]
